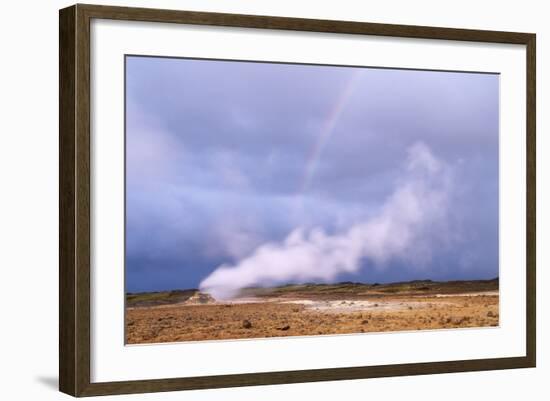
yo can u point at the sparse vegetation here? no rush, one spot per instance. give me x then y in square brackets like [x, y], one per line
[158, 298]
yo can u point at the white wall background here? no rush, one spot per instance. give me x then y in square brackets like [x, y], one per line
[29, 185]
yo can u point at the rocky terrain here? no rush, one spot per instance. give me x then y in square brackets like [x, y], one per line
[311, 309]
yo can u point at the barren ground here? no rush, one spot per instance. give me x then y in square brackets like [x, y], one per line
[311, 309]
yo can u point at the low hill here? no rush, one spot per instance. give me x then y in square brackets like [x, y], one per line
[348, 290]
[353, 289]
[158, 298]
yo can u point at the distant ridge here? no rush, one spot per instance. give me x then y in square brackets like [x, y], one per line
[348, 289]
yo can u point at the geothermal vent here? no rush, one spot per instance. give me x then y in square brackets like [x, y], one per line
[200, 298]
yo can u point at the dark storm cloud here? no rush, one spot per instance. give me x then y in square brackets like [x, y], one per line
[218, 154]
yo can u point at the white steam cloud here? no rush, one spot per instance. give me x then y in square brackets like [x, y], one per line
[410, 223]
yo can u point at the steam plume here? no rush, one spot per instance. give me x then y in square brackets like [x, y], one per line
[402, 230]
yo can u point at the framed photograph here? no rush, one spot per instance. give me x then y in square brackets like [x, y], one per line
[249, 200]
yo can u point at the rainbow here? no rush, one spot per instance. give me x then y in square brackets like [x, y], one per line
[328, 129]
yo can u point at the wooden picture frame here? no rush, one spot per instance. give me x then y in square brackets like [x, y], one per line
[75, 209]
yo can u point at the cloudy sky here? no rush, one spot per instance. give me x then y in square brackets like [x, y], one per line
[242, 173]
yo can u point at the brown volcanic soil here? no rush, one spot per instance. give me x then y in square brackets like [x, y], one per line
[298, 310]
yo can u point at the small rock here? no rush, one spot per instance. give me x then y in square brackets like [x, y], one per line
[365, 322]
[375, 305]
[490, 314]
[247, 324]
[284, 328]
